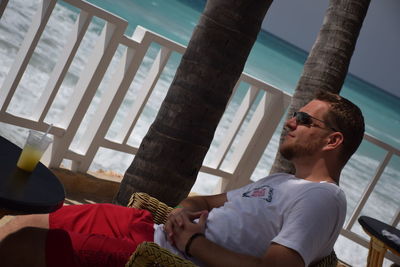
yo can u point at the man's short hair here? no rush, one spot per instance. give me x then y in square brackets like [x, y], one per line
[347, 118]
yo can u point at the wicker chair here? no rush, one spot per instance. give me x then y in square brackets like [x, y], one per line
[150, 254]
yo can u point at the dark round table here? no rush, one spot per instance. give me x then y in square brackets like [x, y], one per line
[379, 243]
[24, 192]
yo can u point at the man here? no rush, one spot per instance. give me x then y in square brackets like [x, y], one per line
[280, 220]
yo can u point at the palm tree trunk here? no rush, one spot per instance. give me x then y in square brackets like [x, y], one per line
[172, 152]
[328, 62]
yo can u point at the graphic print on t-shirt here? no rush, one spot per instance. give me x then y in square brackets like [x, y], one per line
[264, 192]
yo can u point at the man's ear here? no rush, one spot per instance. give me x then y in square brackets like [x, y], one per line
[334, 140]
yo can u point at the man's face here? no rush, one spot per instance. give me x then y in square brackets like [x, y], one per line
[306, 140]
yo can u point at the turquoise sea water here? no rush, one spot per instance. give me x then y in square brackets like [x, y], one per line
[271, 60]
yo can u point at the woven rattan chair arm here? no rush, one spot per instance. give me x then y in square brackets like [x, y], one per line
[150, 254]
[329, 261]
[159, 209]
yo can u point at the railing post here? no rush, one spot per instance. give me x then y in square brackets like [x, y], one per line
[63, 63]
[111, 102]
[152, 78]
[25, 52]
[3, 5]
[254, 141]
[240, 116]
[368, 191]
[143, 95]
[86, 89]
[396, 218]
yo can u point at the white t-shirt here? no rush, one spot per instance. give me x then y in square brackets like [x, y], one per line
[302, 215]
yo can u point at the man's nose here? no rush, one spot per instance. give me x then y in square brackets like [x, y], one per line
[291, 123]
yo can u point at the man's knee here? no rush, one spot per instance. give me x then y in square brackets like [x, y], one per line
[19, 222]
[24, 245]
[26, 236]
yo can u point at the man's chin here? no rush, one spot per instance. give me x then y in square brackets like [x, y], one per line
[287, 153]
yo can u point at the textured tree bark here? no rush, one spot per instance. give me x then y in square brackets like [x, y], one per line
[328, 62]
[172, 152]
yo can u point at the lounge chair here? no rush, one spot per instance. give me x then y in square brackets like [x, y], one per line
[150, 254]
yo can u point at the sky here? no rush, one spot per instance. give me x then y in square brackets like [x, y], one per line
[376, 58]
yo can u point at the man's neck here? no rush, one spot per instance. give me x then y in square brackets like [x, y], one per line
[317, 172]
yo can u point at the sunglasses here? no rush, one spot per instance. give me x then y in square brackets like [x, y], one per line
[306, 119]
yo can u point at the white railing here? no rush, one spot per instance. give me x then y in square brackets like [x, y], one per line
[270, 104]
[246, 155]
[394, 221]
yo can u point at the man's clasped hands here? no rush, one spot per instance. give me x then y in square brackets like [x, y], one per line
[181, 226]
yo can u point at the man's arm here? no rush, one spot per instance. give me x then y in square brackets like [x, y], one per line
[212, 254]
[199, 203]
[191, 208]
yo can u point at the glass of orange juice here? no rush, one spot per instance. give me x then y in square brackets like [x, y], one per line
[35, 146]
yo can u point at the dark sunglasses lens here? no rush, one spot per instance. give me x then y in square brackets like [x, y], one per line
[302, 118]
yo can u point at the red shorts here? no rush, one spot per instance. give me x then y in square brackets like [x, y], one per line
[96, 235]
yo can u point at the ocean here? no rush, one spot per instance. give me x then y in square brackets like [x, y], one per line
[271, 60]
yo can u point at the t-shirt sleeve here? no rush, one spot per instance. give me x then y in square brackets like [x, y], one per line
[311, 222]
